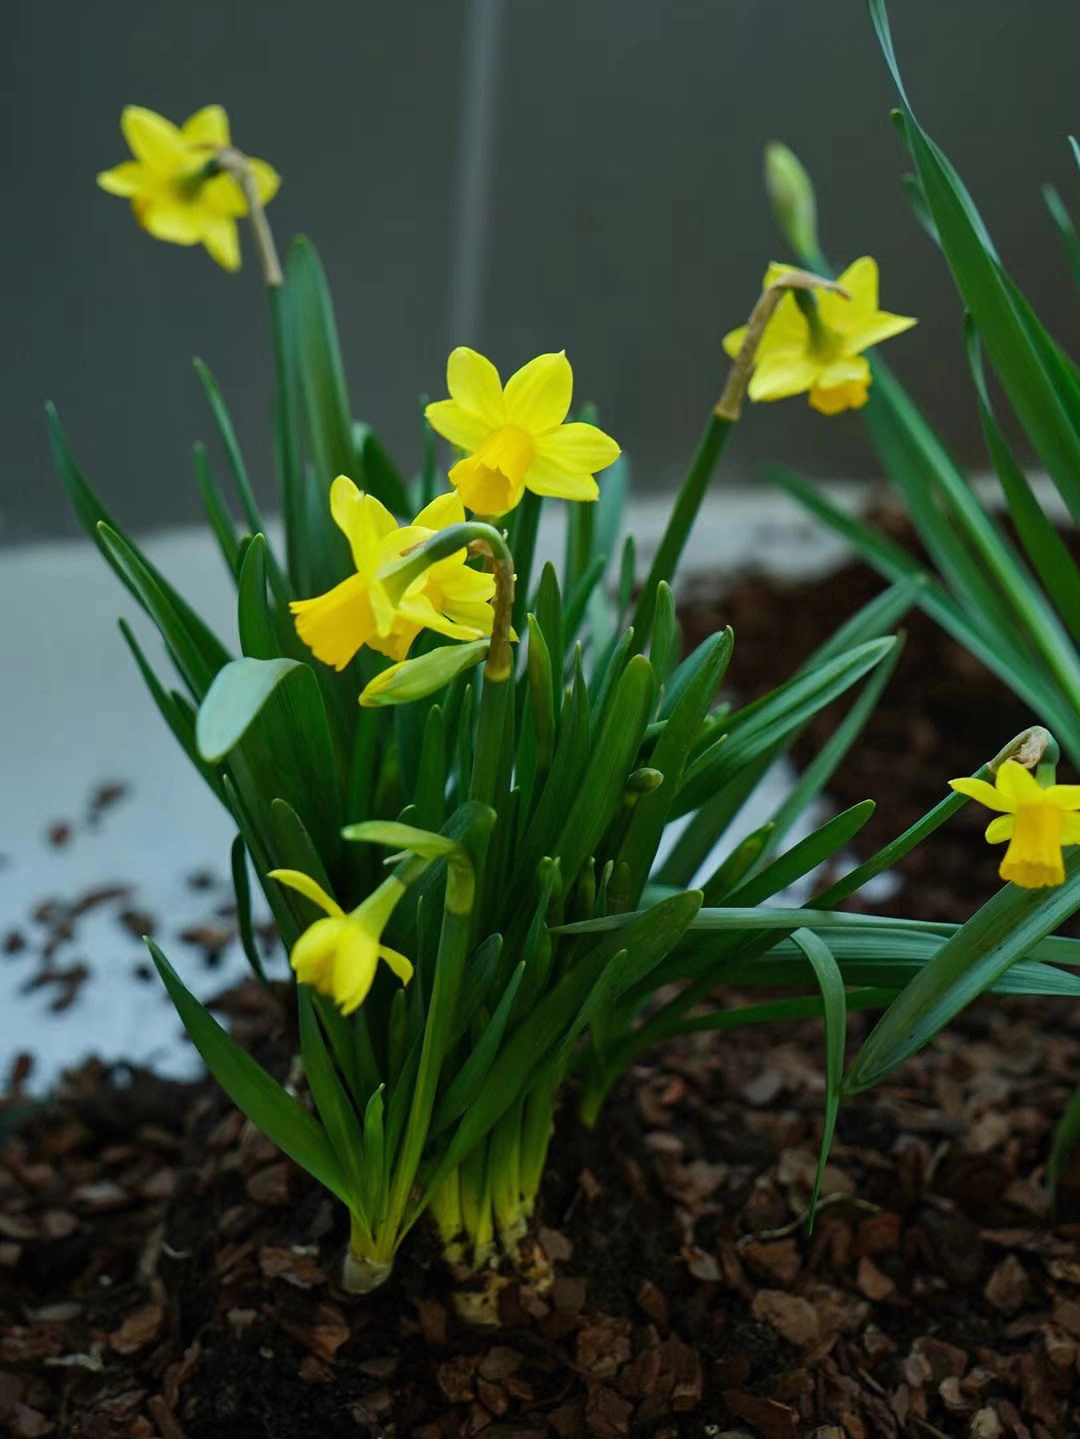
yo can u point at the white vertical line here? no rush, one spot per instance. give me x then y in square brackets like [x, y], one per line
[484, 27]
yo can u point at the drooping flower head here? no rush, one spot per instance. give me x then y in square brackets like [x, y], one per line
[515, 435]
[176, 191]
[816, 344]
[1036, 820]
[447, 597]
[339, 955]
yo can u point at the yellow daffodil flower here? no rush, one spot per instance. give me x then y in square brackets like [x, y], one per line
[447, 597]
[515, 435]
[339, 955]
[1036, 820]
[821, 352]
[174, 189]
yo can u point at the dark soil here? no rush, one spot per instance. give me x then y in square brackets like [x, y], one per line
[166, 1273]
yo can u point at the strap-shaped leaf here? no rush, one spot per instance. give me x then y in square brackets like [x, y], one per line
[283, 1120]
[980, 952]
[1031, 388]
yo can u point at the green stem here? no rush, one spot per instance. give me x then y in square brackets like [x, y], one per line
[685, 510]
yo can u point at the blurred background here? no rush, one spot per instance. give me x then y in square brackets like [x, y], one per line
[517, 175]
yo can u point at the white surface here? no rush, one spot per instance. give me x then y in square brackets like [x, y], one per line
[76, 714]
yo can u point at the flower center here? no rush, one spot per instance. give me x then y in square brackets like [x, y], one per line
[492, 481]
[1034, 855]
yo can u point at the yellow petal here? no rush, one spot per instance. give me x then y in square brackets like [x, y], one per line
[171, 220]
[733, 341]
[444, 511]
[877, 327]
[354, 969]
[397, 962]
[153, 139]
[1065, 796]
[1070, 829]
[860, 280]
[473, 382]
[1000, 828]
[267, 180]
[336, 624]
[538, 395]
[208, 126]
[222, 241]
[314, 955]
[986, 794]
[578, 448]
[447, 418]
[305, 885]
[548, 479]
[123, 179]
[221, 195]
[1018, 785]
[780, 378]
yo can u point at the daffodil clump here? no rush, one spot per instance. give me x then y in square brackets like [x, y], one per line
[548, 774]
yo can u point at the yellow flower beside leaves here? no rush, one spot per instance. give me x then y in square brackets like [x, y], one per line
[339, 955]
[448, 597]
[1036, 820]
[515, 435]
[176, 191]
[819, 348]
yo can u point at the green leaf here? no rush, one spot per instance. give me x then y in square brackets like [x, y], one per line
[762, 727]
[469, 1080]
[216, 510]
[803, 857]
[254, 623]
[835, 1002]
[669, 756]
[1000, 933]
[270, 1108]
[198, 655]
[599, 796]
[242, 888]
[1032, 390]
[332, 1101]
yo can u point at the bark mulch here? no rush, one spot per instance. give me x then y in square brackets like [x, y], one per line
[163, 1272]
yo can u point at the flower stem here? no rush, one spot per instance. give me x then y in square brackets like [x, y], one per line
[234, 163]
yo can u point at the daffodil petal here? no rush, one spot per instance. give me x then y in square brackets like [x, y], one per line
[170, 220]
[733, 341]
[313, 956]
[222, 241]
[1018, 785]
[779, 379]
[447, 418]
[544, 478]
[123, 179]
[577, 448]
[354, 970]
[444, 511]
[1070, 829]
[1000, 828]
[986, 794]
[538, 395]
[152, 138]
[309, 888]
[860, 280]
[208, 126]
[401, 966]
[473, 382]
[1064, 796]
[267, 180]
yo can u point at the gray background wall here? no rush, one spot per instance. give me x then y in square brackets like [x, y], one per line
[624, 217]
